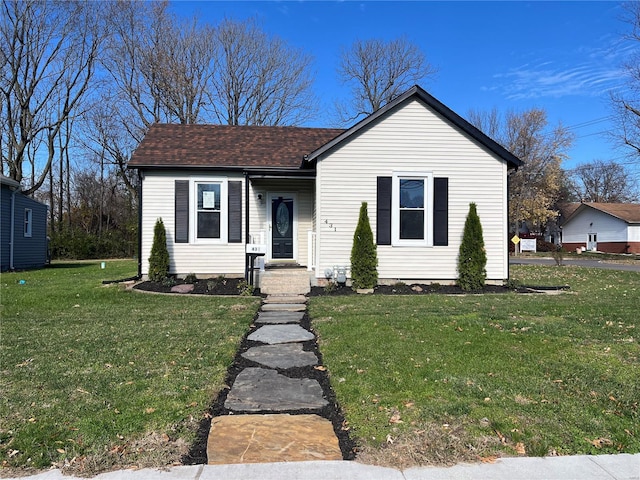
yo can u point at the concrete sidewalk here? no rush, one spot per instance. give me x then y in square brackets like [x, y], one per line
[579, 467]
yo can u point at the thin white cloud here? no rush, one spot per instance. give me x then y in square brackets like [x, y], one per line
[589, 71]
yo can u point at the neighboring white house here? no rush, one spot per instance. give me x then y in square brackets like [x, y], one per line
[298, 191]
[604, 227]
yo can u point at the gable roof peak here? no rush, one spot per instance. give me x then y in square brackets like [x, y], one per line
[627, 212]
[440, 108]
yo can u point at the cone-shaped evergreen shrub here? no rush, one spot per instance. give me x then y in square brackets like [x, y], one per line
[159, 259]
[472, 259]
[364, 258]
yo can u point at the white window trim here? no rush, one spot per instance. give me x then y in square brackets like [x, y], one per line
[193, 210]
[28, 222]
[428, 209]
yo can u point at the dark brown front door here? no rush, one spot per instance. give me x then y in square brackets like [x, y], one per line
[282, 227]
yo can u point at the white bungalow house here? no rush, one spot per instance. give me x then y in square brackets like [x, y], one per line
[296, 193]
[604, 227]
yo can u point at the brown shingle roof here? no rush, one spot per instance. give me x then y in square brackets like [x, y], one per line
[228, 146]
[629, 212]
[567, 209]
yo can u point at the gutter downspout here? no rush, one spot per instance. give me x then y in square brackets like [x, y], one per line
[13, 228]
[139, 224]
[246, 224]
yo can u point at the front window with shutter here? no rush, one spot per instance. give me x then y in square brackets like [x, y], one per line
[411, 209]
[208, 210]
[412, 221]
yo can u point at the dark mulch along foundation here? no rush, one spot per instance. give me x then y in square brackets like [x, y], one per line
[233, 286]
[413, 289]
[209, 286]
[332, 412]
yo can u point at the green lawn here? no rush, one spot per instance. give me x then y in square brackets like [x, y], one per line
[436, 379]
[95, 376]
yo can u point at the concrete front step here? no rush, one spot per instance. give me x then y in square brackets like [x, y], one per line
[285, 299]
[285, 288]
[293, 281]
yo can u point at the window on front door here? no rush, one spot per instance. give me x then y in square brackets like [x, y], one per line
[282, 228]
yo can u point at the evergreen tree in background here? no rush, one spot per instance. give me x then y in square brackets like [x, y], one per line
[159, 259]
[472, 259]
[364, 258]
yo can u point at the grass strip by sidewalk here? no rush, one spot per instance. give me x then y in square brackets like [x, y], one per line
[437, 379]
[95, 377]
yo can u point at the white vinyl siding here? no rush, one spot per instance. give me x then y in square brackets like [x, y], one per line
[202, 257]
[411, 139]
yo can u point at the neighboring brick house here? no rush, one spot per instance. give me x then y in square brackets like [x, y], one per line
[604, 227]
[298, 191]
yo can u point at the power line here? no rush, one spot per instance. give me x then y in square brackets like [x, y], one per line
[589, 123]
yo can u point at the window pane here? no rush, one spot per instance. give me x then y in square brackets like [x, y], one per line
[208, 196]
[412, 224]
[208, 224]
[27, 222]
[411, 193]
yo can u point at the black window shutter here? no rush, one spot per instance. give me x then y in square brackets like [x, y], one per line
[441, 211]
[383, 212]
[182, 211]
[235, 212]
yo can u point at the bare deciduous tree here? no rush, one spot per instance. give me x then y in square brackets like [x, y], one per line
[49, 51]
[159, 70]
[378, 71]
[178, 66]
[259, 79]
[604, 181]
[158, 67]
[534, 188]
[626, 104]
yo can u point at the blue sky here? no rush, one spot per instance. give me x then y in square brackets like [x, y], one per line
[564, 57]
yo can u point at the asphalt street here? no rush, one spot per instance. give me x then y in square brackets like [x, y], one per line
[589, 263]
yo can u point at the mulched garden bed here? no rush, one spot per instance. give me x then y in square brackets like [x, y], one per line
[235, 286]
[419, 289]
[208, 286]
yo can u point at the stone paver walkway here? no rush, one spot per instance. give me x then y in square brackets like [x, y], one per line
[271, 410]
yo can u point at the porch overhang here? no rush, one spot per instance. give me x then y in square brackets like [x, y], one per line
[284, 173]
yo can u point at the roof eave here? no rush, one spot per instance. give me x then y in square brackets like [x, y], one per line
[584, 206]
[10, 182]
[233, 168]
